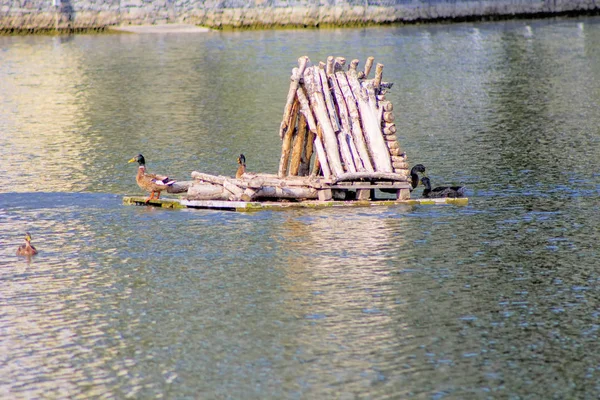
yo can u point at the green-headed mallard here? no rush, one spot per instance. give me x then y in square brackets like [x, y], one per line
[441, 191]
[27, 249]
[242, 168]
[151, 183]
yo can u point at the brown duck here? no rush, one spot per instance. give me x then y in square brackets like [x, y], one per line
[151, 183]
[242, 168]
[27, 249]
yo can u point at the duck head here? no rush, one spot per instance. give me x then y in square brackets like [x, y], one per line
[241, 160]
[139, 159]
[425, 181]
[418, 168]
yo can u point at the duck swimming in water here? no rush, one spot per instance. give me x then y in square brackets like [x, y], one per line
[27, 249]
[441, 191]
[151, 183]
[242, 168]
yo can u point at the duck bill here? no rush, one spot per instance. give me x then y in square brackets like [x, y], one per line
[132, 160]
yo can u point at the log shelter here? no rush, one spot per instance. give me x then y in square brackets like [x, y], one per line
[338, 141]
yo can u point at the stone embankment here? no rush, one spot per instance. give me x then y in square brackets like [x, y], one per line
[41, 15]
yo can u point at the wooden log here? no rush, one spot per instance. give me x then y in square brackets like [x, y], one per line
[356, 131]
[363, 194]
[207, 191]
[179, 187]
[389, 129]
[369, 89]
[339, 64]
[333, 115]
[346, 123]
[390, 138]
[330, 65]
[371, 128]
[399, 165]
[378, 76]
[388, 116]
[353, 65]
[400, 158]
[234, 189]
[384, 176]
[323, 161]
[403, 194]
[386, 105]
[396, 151]
[202, 177]
[299, 193]
[299, 144]
[215, 192]
[287, 142]
[305, 109]
[325, 195]
[302, 63]
[310, 139]
[317, 101]
[345, 151]
[392, 145]
[262, 180]
[368, 66]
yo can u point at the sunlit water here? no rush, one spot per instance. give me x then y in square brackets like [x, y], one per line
[497, 299]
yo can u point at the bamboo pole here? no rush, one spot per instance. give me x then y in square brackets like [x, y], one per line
[302, 63]
[356, 131]
[312, 81]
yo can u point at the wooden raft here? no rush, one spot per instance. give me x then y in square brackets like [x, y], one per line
[339, 146]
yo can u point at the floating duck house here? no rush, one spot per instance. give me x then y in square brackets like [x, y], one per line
[339, 147]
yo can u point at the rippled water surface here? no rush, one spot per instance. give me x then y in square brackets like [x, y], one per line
[497, 299]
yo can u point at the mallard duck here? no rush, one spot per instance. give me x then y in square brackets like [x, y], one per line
[441, 191]
[151, 183]
[27, 249]
[242, 168]
[414, 174]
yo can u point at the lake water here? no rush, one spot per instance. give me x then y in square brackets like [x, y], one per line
[497, 299]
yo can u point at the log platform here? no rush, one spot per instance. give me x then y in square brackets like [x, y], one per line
[339, 147]
[249, 206]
